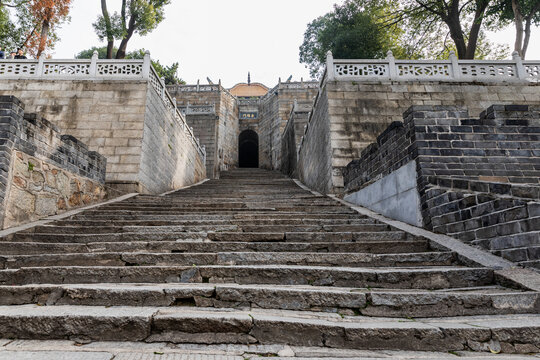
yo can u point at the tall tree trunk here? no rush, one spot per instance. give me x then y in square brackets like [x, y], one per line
[481, 6]
[528, 22]
[526, 39]
[452, 20]
[43, 38]
[518, 22]
[121, 53]
[108, 28]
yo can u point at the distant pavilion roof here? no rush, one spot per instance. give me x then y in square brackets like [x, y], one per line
[248, 90]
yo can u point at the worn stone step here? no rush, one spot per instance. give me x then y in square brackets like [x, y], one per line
[402, 278]
[346, 301]
[215, 236]
[225, 211]
[200, 216]
[310, 236]
[187, 325]
[208, 227]
[240, 222]
[376, 247]
[127, 350]
[230, 258]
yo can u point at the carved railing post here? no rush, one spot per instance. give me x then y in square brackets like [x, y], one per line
[146, 65]
[392, 70]
[40, 71]
[456, 70]
[93, 64]
[330, 71]
[520, 68]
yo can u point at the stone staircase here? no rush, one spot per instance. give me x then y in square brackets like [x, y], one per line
[252, 258]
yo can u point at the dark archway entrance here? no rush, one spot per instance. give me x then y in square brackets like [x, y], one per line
[248, 149]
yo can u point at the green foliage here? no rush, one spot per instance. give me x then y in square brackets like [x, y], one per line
[16, 23]
[136, 16]
[434, 27]
[501, 13]
[350, 31]
[170, 73]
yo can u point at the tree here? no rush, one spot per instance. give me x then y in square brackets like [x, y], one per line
[350, 31]
[463, 20]
[169, 73]
[47, 15]
[16, 24]
[136, 16]
[523, 13]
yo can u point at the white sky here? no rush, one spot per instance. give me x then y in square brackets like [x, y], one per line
[224, 39]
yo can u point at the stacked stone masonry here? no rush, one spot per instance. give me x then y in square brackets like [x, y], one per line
[43, 173]
[218, 129]
[275, 111]
[478, 179]
[292, 136]
[112, 117]
[358, 111]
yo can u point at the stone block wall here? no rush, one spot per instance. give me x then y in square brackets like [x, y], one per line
[43, 173]
[169, 157]
[361, 110]
[228, 131]
[110, 116]
[315, 155]
[222, 147]
[292, 136]
[205, 126]
[478, 179]
[275, 111]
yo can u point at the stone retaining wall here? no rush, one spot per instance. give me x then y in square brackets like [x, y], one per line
[111, 117]
[169, 158]
[478, 179]
[222, 144]
[42, 172]
[358, 111]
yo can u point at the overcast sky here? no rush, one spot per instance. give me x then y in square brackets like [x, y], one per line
[224, 39]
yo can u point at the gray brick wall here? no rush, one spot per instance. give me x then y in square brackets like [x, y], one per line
[31, 136]
[479, 179]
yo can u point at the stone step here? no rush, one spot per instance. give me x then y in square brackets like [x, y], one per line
[346, 301]
[375, 247]
[433, 278]
[230, 258]
[126, 350]
[150, 223]
[225, 211]
[208, 227]
[508, 333]
[215, 236]
[203, 216]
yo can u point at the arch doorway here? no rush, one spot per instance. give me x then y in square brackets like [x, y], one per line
[248, 149]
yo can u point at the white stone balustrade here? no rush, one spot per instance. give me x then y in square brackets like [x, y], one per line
[95, 69]
[436, 70]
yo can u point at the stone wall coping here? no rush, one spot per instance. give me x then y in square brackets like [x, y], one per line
[453, 69]
[96, 69]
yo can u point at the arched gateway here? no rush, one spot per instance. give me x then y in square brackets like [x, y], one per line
[248, 149]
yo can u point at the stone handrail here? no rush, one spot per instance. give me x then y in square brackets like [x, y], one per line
[96, 69]
[437, 70]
